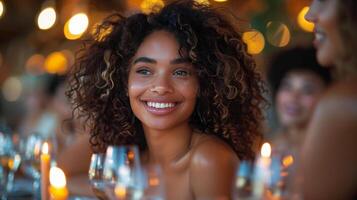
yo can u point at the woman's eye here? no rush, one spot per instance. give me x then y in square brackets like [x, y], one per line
[143, 71]
[181, 73]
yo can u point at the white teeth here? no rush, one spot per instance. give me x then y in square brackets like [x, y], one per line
[160, 105]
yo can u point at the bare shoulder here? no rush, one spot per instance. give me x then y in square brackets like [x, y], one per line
[212, 150]
[212, 168]
[330, 141]
[339, 103]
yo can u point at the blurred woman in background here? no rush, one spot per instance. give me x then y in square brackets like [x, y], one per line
[297, 81]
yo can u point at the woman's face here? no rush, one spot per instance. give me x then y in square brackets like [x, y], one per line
[162, 85]
[323, 13]
[297, 96]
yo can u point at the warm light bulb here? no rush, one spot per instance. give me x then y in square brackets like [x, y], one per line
[46, 18]
[12, 89]
[277, 34]
[266, 150]
[44, 148]
[78, 24]
[254, 40]
[57, 177]
[56, 62]
[303, 23]
[1, 8]
[220, 1]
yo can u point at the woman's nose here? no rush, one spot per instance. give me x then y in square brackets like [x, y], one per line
[311, 14]
[161, 85]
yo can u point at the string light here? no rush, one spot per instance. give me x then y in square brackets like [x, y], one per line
[255, 41]
[47, 18]
[56, 63]
[303, 23]
[277, 34]
[2, 9]
[12, 89]
[78, 24]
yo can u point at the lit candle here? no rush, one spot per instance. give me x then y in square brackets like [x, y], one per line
[58, 189]
[45, 168]
[262, 172]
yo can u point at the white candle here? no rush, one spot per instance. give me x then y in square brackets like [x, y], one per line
[262, 172]
[45, 168]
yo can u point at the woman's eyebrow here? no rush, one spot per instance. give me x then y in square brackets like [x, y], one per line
[145, 60]
[180, 61]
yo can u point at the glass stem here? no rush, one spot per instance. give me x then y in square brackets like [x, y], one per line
[10, 181]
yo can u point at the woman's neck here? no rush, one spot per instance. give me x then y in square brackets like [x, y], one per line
[168, 146]
[295, 134]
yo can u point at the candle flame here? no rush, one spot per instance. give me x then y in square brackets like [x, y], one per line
[266, 150]
[57, 177]
[44, 149]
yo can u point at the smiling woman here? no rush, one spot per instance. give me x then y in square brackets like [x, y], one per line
[178, 83]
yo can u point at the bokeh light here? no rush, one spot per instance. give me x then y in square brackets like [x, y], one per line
[303, 23]
[78, 24]
[2, 9]
[56, 63]
[220, 0]
[35, 64]
[12, 89]
[68, 34]
[277, 34]
[47, 18]
[148, 6]
[255, 41]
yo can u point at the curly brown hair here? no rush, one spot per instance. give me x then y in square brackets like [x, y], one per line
[230, 95]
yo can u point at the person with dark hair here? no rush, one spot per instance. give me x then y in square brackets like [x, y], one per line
[297, 81]
[178, 83]
[329, 167]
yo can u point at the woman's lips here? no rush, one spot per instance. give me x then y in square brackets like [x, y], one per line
[160, 107]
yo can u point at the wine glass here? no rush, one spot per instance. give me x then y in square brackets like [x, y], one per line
[95, 174]
[284, 182]
[6, 161]
[153, 183]
[123, 173]
[244, 182]
[32, 159]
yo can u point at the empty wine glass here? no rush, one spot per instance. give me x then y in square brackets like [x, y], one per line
[95, 174]
[123, 173]
[153, 183]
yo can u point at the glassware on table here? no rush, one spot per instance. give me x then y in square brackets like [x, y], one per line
[123, 173]
[9, 162]
[284, 183]
[95, 175]
[32, 160]
[153, 183]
